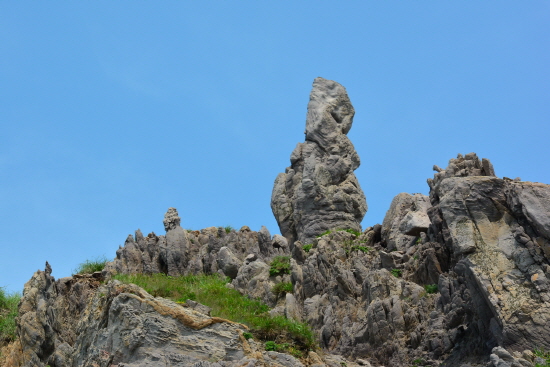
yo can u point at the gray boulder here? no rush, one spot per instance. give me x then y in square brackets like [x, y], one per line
[319, 191]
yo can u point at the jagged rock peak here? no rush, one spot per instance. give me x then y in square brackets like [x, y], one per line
[329, 113]
[171, 219]
[462, 166]
[319, 191]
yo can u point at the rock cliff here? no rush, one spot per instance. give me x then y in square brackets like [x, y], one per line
[457, 278]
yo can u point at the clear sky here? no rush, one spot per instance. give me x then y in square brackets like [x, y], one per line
[113, 111]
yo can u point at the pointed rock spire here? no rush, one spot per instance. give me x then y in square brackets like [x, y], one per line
[319, 191]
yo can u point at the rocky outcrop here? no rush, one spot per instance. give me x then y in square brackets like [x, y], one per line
[497, 244]
[460, 278]
[319, 191]
[184, 252]
[406, 219]
[77, 321]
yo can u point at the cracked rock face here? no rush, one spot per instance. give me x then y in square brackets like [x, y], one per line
[319, 191]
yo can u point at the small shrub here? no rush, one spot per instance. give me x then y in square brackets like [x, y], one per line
[271, 346]
[307, 247]
[419, 240]
[91, 266]
[228, 229]
[283, 287]
[396, 272]
[247, 335]
[280, 265]
[431, 288]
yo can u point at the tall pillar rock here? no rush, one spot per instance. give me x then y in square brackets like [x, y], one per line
[319, 191]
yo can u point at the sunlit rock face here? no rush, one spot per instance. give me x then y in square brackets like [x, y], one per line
[319, 191]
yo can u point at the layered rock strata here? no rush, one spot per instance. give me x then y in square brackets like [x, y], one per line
[79, 322]
[319, 191]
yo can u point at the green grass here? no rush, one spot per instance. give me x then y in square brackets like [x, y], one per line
[228, 229]
[283, 287]
[352, 231]
[324, 233]
[541, 353]
[360, 248]
[280, 265]
[430, 288]
[8, 313]
[307, 247]
[227, 303]
[396, 273]
[91, 266]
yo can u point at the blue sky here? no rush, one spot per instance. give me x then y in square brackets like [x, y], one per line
[111, 112]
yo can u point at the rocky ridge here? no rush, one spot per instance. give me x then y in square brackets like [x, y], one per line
[456, 278]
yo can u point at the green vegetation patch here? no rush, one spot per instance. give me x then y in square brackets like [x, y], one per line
[91, 266]
[280, 265]
[431, 288]
[228, 229]
[226, 303]
[283, 348]
[307, 247]
[8, 313]
[360, 248]
[541, 353]
[283, 287]
[396, 272]
[324, 233]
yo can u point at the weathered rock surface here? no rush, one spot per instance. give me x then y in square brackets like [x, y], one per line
[495, 232]
[319, 191]
[405, 220]
[80, 322]
[181, 252]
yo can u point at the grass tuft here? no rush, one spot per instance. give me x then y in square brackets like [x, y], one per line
[228, 229]
[360, 248]
[307, 247]
[282, 287]
[91, 266]
[324, 233]
[8, 313]
[280, 265]
[396, 272]
[227, 303]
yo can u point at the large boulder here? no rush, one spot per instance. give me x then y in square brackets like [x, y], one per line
[319, 191]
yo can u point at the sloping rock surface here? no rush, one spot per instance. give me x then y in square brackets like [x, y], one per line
[319, 191]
